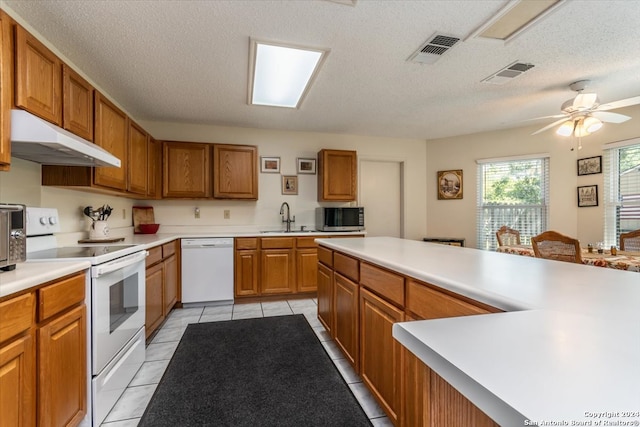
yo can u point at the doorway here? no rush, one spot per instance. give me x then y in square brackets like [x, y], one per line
[382, 195]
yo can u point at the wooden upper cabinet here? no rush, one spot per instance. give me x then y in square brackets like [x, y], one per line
[111, 129]
[154, 168]
[38, 78]
[337, 175]
[235, 172]
[187, 172]
[138, 159]
[77, 104]
[6, 89]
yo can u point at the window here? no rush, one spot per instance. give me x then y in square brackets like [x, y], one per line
[621, 189]
[513, 192]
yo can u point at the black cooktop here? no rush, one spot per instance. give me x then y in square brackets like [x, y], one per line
[76, 252]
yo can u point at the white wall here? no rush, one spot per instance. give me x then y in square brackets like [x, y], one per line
[457, 218]
[22, 183]
[288, 146]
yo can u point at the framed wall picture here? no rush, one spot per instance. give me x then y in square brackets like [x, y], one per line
[289, 184]
[450, 184]
[590, 165]
[587, 196]
[270, 164]
[307, 166]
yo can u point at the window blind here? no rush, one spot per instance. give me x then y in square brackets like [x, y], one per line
[514, 193]
[621, 170]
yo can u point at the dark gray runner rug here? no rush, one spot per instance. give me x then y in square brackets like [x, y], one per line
[271, 371]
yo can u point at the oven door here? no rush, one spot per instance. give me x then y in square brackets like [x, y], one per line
[118, 298]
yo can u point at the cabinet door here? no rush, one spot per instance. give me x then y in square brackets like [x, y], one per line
[235, 172]
[6, 90]
[345, 320]
[337, 175]
[17, 383]
[170, 283]
[381, 362]
[38, 78]
[154, 168]
[154, 302]
[277, 271]
[77, 104]
[246, 273]
[137, 172]
[307, 270]
[111, 126]
[187, 170]
[325, 297]
[62, 385]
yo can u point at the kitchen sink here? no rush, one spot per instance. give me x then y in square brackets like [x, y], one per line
[286, 232]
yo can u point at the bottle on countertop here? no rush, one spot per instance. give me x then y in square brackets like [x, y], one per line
[614, 250]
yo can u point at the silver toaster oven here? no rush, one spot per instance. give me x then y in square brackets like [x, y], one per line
[13, 235]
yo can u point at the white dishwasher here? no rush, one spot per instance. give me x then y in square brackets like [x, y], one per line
[207, 270]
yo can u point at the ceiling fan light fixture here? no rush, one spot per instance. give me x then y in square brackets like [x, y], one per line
[566, 129]
[592, 124]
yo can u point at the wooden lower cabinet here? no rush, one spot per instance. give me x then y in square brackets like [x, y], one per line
[345, 321]
[17, 382]
[277, 273]
[307, 269]
[325, 297]
[162, 284]
[154, 314]
[246, 273]
[62, 379]
[381, 361]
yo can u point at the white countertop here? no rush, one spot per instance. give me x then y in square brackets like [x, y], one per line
[569, 348]
[30, 274]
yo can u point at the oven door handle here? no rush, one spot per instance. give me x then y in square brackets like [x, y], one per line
[118, 264]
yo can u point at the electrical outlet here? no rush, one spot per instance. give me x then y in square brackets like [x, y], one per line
[196, 213]
[227, 214]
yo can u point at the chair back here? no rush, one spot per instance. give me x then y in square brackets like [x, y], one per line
[507, 236]
[557, 246]
[630, 241]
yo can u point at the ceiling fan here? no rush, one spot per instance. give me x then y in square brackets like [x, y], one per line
[583, 115]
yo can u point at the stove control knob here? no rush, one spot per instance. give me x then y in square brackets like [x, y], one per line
[43, 220]
[52, 220]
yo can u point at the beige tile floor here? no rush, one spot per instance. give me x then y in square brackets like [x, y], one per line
[131, 406]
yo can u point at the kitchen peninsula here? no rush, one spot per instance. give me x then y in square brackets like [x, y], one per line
[560, 342]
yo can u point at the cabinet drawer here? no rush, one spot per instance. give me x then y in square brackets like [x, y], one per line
[325, 256]
[346, 266]
[155, 255]
[16, 315]
[169, 249]
[308, 242]
[429, 303]
[276, 243]
[384, 283]
[246, 243]
[54, 298]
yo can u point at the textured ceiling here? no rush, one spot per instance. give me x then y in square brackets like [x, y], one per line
[187, 61]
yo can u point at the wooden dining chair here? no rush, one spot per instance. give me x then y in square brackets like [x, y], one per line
[557, 246]
[630, 241]
[507, 236]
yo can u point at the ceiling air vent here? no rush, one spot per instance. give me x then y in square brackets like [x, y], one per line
[433, 49]
[508, 73]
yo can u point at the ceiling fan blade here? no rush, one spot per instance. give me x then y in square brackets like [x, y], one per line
[584, 101]
[549, 126]
[619, 104]
[555, 116]
[610, 117]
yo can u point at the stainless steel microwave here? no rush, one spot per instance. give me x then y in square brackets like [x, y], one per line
[13, 235]
[340, 219]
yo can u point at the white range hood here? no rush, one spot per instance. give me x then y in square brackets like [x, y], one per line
[42, 142]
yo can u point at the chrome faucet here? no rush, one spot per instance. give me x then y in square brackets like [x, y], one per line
[288, 220]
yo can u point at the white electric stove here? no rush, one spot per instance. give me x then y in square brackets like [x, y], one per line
[116, 300]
